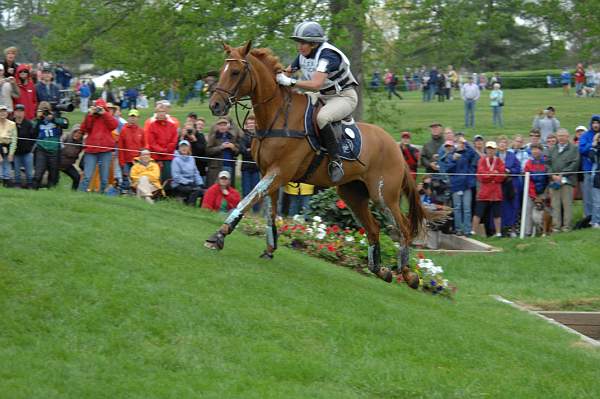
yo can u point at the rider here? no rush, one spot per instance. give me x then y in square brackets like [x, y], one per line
[325, 69]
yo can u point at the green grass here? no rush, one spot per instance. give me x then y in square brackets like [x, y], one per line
[111, 297]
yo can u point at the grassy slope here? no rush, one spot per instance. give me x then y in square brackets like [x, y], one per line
[109, 297]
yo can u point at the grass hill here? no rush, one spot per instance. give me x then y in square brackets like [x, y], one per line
[111, 297]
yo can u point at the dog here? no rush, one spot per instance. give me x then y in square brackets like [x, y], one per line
[541, 218]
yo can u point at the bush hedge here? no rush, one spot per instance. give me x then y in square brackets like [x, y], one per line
[527, 79]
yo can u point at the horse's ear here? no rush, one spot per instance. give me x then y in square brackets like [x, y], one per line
[247, 48]
[226, 47]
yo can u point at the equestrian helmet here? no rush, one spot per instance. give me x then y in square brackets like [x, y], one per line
[309, 31]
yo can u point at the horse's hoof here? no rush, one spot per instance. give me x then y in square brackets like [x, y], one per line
[216, 241]
[266, 255]
[411, 278]
[385, 274]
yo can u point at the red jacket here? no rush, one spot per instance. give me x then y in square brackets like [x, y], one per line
[131, 138]
[490, 188]
[99, 132]
[162, 137]
[411, 156]
[213, 197]
[27, 96]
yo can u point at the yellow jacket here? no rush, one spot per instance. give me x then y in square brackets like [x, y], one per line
[293, 188]
[152, 170]
[8, 135]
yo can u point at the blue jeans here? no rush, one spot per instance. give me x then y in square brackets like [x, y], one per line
[250, 178]
[126, 182]
[25, 161]
[469, 113]
[497, 115]
[6, 167]
[298, 204]
[462, 210]
[586, 192]
[90, 161]
[596, 208]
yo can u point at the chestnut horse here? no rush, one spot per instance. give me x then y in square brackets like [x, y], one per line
[283, 154]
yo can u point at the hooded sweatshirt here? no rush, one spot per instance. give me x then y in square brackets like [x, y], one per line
[99, 130]
[162, 139]
[184, 171]
[27, 95]
[131, 140]
[70, 149]
[585, 145]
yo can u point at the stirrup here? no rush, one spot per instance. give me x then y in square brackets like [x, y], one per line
[335, 170]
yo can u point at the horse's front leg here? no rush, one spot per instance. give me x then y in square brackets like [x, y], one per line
[264, 186]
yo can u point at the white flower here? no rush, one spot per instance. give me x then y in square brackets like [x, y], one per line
[310, 231]
[349, 239]
[298, 218]
[317, 219]
[322, 226]
[321, 234]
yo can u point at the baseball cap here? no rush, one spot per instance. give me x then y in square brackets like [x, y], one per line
[405, 134]
[183, 142]
[477, 137]
[224, 174]
[193, 115]
[449, 142]
[133, 112]
[550, 108]
[580, 128]
[435, 124]
[46, 68]
[145, 152]
[3, 107]
[222, 120]
[491, 144]
[20, 107]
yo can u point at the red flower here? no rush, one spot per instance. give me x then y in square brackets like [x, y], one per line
[285, 227]
[361, 231]
[331, 248]
[328, 230]
[335, 228]
[321, 246]
[340, 204]
[420, 255]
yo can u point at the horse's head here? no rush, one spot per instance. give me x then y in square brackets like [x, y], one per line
[235, 80]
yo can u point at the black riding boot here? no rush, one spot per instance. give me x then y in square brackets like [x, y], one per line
[335, 169]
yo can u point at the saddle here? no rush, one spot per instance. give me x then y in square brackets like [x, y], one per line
[350, 136]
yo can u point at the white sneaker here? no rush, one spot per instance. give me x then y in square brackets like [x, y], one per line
[595, 226]
[498, 235]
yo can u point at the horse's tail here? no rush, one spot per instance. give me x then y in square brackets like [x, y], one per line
[418, 214]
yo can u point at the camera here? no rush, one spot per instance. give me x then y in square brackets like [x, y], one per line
[189, 131]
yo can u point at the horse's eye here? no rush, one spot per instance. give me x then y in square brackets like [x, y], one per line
[235, 72]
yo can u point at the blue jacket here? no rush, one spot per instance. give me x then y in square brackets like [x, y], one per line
[585, 146]
[49, 93]
[467, 163]
[184, 171]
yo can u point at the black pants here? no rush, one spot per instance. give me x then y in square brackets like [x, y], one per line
[74, 175]
[45, 161]
[189, 192]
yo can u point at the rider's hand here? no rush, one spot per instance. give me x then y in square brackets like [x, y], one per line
[284, 80]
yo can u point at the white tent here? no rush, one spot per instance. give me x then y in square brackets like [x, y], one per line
[100, 80]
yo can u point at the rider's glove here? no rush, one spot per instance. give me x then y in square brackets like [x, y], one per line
[285, 80]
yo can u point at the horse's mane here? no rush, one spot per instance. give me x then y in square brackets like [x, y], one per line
[266, 56]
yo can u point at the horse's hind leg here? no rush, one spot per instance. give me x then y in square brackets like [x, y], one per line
[271, 228]
[356, 196]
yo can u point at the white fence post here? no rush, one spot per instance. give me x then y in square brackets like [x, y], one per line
[524, 205]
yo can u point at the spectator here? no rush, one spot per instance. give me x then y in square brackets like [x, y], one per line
[519, 150]
[166, 106]
[546, 122]
[47, 149]
[565, 81]
[535, 137]
[391, 82]
[161, 137]
[221, 196]
[299, 194]
[497, 102]
[470, 94]
[511, 188]
[84, 97]
[72, 145]
[433, 82]
[551, 141]
[27, 96]
[8, 144]
[63, 77]
[579, 79]
[25, 143]
[9, 64]
[131, 96]
[425, 88]
[145, 176]
[186, 182]
[142, 101]
[594, 154]
[222, 143]
[46, 90]
[411, 153]
[579, 131]
[199, 146]
[453, 78]
[441, 87]
[107, 93]
[490, 174]
[587, 163]
[98, 125]
[563, 159]
[538, 181]
[250, 172]
[478, 145]
[131, 140]
[9, 91]
[429, 157]
[461, 163]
